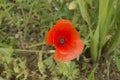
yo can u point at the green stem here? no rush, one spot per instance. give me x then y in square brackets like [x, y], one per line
[34, 45]
[32, 51]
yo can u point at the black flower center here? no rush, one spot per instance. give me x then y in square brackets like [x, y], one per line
[61, 41]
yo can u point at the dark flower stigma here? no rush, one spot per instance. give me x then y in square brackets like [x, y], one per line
[61, 41]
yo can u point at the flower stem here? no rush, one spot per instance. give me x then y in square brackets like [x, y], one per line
[36, 51]
[34, 45]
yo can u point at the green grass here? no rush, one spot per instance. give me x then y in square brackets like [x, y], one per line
[24, 23]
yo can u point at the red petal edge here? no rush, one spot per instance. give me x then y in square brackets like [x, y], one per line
[70, 55]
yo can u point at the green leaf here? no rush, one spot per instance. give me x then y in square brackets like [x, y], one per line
[94, 45]
[65, 69]
[16, 69]
[117, 60]
[49, 62]
[22, 69]
[105, 18]
[6, 52]
[91, 75]
[115, 41]
[89, 2]
[84, 11]
[40, 64]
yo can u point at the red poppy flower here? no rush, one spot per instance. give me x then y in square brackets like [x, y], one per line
[66, 40]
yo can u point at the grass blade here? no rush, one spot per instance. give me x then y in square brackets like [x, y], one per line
[104, 21]
[94, 45]
[84, 12]
[115, 41]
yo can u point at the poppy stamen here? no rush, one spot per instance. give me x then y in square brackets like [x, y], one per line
[61, 41]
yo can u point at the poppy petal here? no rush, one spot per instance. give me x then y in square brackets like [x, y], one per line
[71, 54]
[49, 36]
[65, 29]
